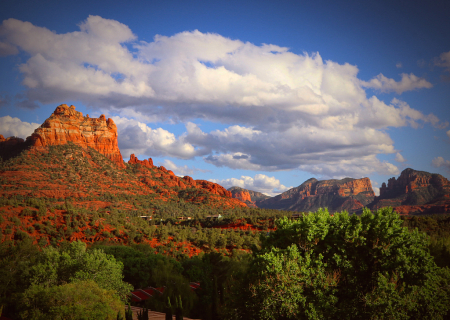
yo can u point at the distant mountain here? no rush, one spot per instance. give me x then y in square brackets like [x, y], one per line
[248, 196]
[415, 192]
[336, 195]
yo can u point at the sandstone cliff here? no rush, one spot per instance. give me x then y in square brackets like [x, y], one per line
[241, 194]
[415, 192]
[250, 197]
[336, 195]
[68, 125]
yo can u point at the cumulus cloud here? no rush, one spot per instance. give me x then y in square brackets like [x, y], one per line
[409, 82]
[441, 162]
[353, 167]
[240, 147]
[448, 134]
[15, 127]
[399, 158]
[284, 110]
[180, 170]
[260, 183]
[399, 65]
[138, 138]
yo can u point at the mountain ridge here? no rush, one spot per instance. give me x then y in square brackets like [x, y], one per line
[413, 192]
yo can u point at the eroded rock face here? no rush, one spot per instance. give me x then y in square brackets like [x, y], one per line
[146, 163]
[68, 125]
[336, 195]
[411, 180]
[255, 196]
[213, 188]
[415, 192]
[242, 195]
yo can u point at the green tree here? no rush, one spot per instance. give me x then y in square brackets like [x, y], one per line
[346, 267]
[16, 262]
[76, 300]
[74, 263]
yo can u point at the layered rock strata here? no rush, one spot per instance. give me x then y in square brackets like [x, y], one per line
[250, 197]
[68, 125]
[415, 192]
[336, 195]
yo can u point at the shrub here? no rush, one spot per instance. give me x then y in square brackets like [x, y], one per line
[77, 300]
[20, 235]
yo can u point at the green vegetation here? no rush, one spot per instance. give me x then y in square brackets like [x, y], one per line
[250, 263]
[75, 300]
[316, 267]
[346, 267]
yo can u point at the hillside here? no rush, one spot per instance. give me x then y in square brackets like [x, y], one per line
[65, 181]
[336, 195]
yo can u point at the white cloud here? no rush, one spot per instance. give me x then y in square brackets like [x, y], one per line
[399, 158]
[353, 167]
[443, 61]
[448, 134]
[408, 82]
[138, 138]
[260, 183]
[180, 170]
[10, 126]
[399, 65]
[285, 110]
[441, 162]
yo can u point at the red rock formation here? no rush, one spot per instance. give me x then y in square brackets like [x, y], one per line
[242, 195]
[11, 141]
[68, 125]
[409, 181]
[255, 196]
[417, 192]
[213, 188]
[336, 195]
[189, 181]
[146, 163]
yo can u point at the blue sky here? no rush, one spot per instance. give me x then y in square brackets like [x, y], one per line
[260, 94]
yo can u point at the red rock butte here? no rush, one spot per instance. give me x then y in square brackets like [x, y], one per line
[68, 125]
[242, 195]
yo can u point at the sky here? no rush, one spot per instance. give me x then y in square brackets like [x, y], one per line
[257, 94]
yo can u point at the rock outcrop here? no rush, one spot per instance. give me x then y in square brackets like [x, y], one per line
[415, 192]
[11, 147]
[68, 125]
[212, 187]
[166, 180]
[11, 141]
[336, 195]
[250, 197]
[146, 163]
[242, 195]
